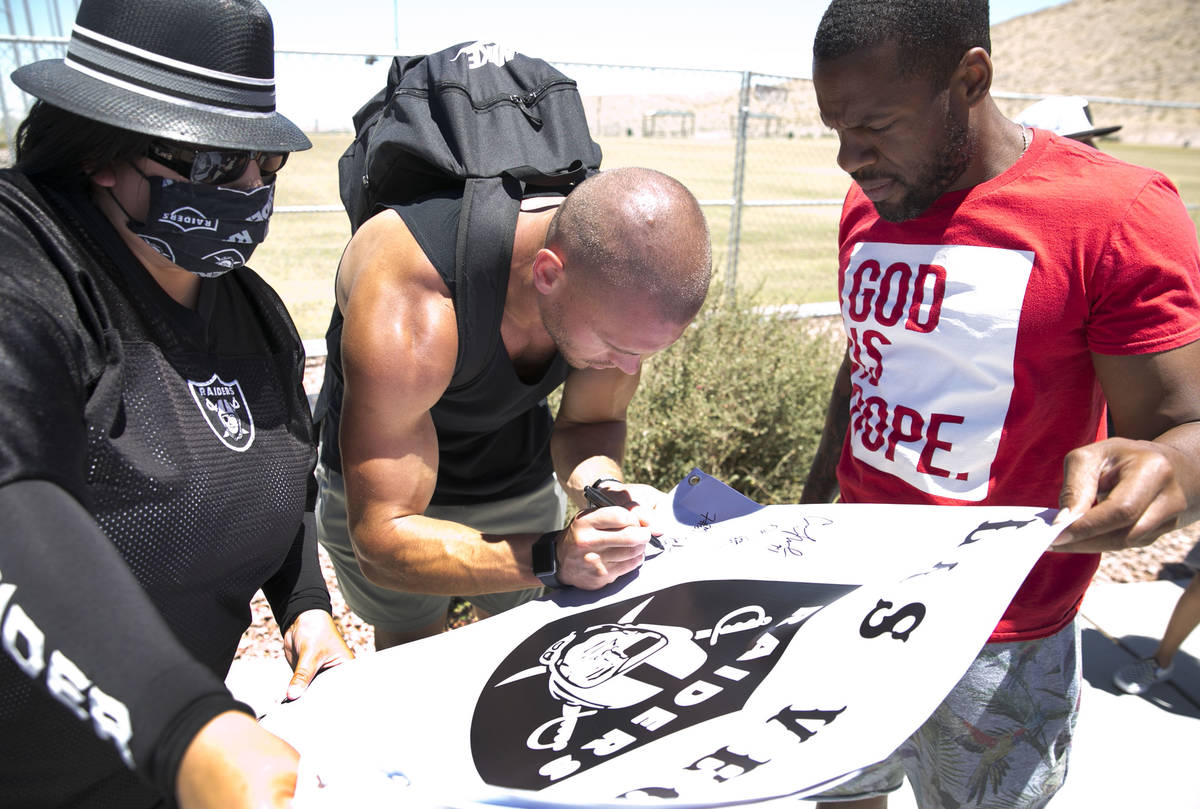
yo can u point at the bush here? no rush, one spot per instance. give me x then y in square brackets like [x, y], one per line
[742, 396]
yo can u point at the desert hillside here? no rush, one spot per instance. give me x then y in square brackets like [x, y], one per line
[1144, 49]
[1139, 49]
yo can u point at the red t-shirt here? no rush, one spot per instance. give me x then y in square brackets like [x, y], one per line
[971, 330]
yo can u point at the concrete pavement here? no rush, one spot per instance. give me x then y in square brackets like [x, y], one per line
[1134, 751]
[1128, 752]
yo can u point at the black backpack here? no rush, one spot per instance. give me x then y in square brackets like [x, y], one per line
[472, 117]
[472, 111]
[476, 117]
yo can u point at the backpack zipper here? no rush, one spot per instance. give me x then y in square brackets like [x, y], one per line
[524, 102]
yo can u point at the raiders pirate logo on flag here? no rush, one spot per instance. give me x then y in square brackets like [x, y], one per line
[759, 652]
[224, 407]
[620, 676]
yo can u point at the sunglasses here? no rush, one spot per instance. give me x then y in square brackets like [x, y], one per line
[214, 166]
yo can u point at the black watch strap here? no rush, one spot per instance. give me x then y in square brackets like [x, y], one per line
[545, 559]
[596, 485]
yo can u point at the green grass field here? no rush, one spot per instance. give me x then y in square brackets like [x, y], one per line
[786, 254]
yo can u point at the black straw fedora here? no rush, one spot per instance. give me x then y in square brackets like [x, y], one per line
[200, 72]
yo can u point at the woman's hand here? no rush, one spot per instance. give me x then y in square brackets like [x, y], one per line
[312, 644]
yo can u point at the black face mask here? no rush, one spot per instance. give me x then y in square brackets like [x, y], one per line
[206, 229]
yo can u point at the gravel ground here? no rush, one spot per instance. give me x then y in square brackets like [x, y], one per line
[1162, 560]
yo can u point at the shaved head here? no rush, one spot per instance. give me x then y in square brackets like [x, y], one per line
[639, 231]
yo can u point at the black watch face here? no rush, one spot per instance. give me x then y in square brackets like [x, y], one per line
[545, 561]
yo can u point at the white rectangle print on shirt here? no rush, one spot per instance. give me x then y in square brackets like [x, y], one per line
[932, 333]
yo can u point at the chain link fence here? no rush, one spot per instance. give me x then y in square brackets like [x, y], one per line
[751, 147]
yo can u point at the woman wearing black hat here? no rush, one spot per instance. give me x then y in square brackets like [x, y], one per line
[156, 447]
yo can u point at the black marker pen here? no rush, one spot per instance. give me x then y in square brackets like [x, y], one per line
[597, 497]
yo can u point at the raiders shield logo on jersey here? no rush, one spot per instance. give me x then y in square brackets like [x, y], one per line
[224, 407]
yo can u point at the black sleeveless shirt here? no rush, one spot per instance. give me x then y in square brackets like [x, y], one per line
[493, 428]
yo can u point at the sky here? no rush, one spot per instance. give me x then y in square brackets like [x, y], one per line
[772, 37]
[765, 36]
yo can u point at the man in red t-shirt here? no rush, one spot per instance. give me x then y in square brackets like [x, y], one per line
[993, 301]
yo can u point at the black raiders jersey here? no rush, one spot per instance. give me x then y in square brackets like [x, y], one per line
[155, 472]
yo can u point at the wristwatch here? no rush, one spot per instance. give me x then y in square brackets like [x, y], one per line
[545, 559]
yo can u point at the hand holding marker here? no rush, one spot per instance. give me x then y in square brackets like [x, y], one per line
[598, 498]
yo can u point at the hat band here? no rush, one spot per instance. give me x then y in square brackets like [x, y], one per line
[156, 76]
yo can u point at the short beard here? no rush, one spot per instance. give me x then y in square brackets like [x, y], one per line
[554, 320]
[942, 171]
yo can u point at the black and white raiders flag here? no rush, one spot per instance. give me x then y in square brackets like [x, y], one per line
[761, 652]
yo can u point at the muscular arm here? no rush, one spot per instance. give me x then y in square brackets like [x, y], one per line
[588, 443]
[822, 485]
[589, 431]
[399, 346]
[1131, 490]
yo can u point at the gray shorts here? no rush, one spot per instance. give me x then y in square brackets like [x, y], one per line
[536, 512]
[1000, 738]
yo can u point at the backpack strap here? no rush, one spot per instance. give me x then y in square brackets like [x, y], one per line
[483, 259]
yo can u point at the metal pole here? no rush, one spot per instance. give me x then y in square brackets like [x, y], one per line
[12, 27]
[739, 184]
[56, 21]
[8, 133]
[32, 31]
[396, 20]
